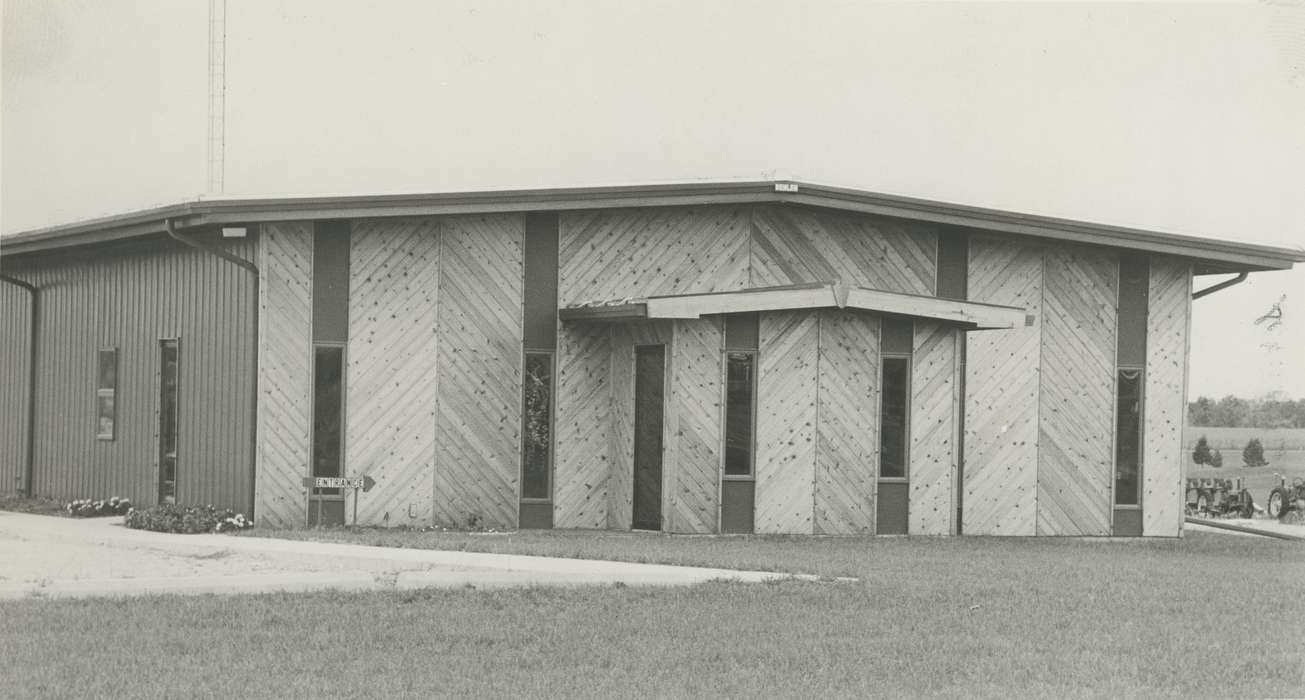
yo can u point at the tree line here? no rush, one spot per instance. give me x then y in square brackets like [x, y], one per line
[1235, 412]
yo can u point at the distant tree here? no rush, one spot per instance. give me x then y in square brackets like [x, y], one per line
[1268, 412]
[1230, 411]
[1200, 411]
[1253, 454]
[1216, 459]
[1201, 455]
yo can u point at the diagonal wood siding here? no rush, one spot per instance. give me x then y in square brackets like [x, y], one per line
[620, 421]
[478, 419]
[392, 352]
[792, 245]
[696, 402]
[582, 449]
[786, 423]
[934, 398]
[1166, 379]
[847, 435]
[1001, 402]
[285, 372]
[1075, 455]
[619, 253]
[620, 424]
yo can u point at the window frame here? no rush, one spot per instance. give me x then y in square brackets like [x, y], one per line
[751, 474]
[1141, 439]
[163, 344]
[110, 392]
[552, 423]
[906, 417]
[331, 494]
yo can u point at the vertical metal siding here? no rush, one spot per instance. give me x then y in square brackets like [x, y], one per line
[15, 344]
[130, 299]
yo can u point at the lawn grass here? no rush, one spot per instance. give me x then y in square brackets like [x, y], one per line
[1208, 615]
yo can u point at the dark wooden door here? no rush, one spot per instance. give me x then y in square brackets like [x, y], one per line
[649, 381]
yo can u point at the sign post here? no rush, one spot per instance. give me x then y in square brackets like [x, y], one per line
[357, 483]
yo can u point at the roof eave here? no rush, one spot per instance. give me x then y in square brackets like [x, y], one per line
[1209, 255]
[1240, 256]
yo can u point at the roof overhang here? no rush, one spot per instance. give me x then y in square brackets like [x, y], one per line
[826, 295]
[1211, 255]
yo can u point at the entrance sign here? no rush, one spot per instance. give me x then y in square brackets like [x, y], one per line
[357, 483]
[337, 482]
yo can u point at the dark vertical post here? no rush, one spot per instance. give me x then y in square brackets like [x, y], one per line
[738, 483]
[1130, 394]
[330, 334]
[539, 347]
[954, 283]
[892, 506]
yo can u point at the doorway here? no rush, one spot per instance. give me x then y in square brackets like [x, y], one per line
[649, 389]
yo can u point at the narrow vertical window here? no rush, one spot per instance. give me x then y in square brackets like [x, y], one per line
[538, 344]
[738, 480]
[168, 389]
[893, 417]
[106, 389]
[536, 421]
[1128, 438]
[328, 393]
[740, 387]
[1130, 394]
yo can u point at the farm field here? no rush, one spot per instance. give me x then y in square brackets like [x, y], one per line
[1278, 439]
[1284, 448]
[936, 617]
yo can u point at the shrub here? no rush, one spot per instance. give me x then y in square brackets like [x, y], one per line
[1201, 455]
[169, 517]
[87, 508]
[1216, 459]
[1253, 454]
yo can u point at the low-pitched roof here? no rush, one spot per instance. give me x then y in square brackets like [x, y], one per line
[1212, 255]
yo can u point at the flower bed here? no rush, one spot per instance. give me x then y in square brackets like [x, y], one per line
[167, 517]
[88, 508]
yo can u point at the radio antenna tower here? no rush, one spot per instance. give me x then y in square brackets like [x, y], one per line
[217, 88]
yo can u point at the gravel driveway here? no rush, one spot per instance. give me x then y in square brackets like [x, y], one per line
[46, 556]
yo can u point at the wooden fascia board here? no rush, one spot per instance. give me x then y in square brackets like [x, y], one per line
[604, 312]
[689, 306]
[971, 315]
[967, 313]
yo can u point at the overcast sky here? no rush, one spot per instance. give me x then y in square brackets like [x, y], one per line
[1185, 118]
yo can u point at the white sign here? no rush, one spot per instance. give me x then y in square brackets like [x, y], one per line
[337, 482]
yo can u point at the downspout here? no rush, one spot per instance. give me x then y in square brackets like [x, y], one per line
[29, 456]
[1241, 277]
[253, 394]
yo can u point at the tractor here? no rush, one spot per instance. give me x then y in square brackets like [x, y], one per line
[1219, 498]
[1284, 499]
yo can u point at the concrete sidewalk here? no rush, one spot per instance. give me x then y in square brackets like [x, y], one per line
[52, 557]
[1269, 525]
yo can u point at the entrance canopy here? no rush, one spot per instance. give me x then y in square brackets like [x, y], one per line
[821, 295]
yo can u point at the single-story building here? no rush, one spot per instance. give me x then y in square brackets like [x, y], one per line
[769, 357]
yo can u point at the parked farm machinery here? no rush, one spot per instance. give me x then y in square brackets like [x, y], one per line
[1284, 498]
[1219, 498]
